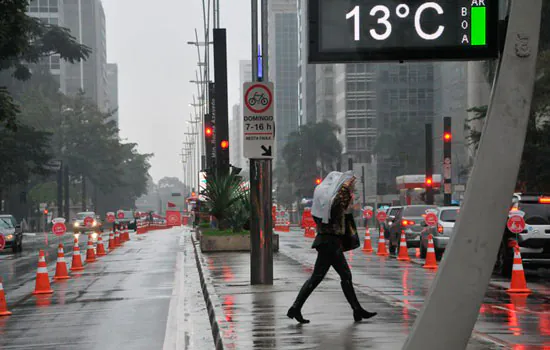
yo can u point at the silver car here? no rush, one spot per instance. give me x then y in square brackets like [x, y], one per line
[442, 233]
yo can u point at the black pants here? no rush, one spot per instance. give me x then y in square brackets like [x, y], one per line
[327, 256]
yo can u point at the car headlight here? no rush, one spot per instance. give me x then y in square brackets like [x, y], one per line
[9, 237]
[94, 235]
[76, 224]
[94, 224]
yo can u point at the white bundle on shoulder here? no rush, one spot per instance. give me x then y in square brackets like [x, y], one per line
[326, 192]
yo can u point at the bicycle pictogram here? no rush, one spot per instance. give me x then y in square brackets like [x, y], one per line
[257, 97]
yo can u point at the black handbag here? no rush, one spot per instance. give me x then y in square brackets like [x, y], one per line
[350, 240]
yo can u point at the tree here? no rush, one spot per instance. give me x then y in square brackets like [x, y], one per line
[310, 152]
[534, 174]
[25, 40]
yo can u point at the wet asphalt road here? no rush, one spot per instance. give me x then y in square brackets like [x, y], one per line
[119, 302]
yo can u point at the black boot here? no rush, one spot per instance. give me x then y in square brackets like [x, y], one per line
[358, 312]
[295, 310]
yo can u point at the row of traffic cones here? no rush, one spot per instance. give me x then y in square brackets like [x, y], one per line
[42, 283]
[518, 284]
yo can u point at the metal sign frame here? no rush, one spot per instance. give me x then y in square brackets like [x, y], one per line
[316, 55]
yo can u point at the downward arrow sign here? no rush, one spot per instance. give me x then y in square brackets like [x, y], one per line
[267, 151]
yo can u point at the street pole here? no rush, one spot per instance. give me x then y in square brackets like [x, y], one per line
[429, 165]
[447, 161]
[261, 229]
[222, 109]
[67, 194]
[363, 185]
[465, 272]
[60, 191]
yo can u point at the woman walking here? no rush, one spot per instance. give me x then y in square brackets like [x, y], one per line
[336, 233]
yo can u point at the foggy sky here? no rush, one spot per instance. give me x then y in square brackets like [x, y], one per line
[148, 40]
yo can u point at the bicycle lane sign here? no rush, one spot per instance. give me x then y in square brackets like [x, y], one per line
[258, 120]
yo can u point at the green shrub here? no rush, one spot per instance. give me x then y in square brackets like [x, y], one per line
[221, 193]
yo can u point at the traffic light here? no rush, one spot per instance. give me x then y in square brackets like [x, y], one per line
[208, 131]
[224, 144]
[447, 137]
[45, 212]
[447, 161]
[429, 182]
[318, 181]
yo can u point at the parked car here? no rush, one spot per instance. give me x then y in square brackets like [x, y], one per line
[390, 218]
[442, 233]
[78, 223]
[408, 220]
[534, 241]
[12, 231]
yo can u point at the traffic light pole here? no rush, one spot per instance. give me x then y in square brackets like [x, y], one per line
[447, 161]
[220, 80]
[428, 182]
[261, 221]
[452, 307]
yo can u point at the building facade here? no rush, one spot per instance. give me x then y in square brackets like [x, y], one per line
[283, 69]
[112, 88]
[307, 96]
[86, 21]
[51, 12]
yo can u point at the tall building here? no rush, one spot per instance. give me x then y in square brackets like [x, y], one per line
[370, 98]
[86, 21]
[307, 104]
[112, 88]
[51, 12]
[283, 68]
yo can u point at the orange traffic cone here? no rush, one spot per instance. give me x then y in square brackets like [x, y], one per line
[77, 258]
[111, 240]
[42, 285]
[518, 284]
[367, 247]
[403, 249]
[3, 304]
[61, 272]
[431, 262]
[382, 250]
[100, 246]
[126, 234]
[117, 238]
[90, 253]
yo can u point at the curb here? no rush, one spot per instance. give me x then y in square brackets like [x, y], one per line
[211, 314]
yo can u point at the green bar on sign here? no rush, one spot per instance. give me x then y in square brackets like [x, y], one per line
[479, 30]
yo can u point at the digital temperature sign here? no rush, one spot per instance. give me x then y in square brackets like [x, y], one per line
[388, 30]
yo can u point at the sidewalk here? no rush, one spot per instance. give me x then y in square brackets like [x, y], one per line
[254, 317]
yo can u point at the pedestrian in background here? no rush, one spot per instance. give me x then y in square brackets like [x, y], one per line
[336, 233]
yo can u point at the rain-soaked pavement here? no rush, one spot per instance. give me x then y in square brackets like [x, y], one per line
[121, 301]
[147, 295]
[253, 317]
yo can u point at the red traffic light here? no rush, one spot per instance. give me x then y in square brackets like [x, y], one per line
[318, 181]
[224, 144]
[208, 131]
[45, 211]
[429, 182]
[447, 137]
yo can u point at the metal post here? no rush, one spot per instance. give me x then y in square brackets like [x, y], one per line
[429, 165]
[222, 122]
[363, 185]
[60, 191]
[261, 225]
[67, 194]
[465, 272]
[447, 161]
